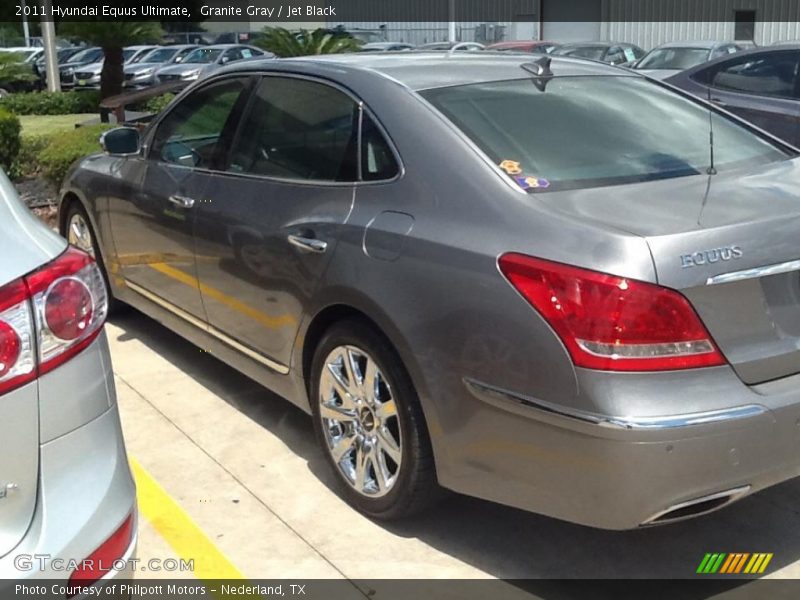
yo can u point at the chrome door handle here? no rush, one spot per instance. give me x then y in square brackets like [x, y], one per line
[182, 201]
[308, 244]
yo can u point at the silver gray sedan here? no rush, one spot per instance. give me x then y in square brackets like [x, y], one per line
[204, 60]
[67, 498]
[534, 280]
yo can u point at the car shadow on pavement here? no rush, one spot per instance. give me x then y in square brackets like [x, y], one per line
[505, 542]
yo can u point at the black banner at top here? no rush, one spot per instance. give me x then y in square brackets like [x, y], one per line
[393, 11]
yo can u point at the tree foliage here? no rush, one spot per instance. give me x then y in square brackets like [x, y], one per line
[284, 43]
[112, 37]
[12, 69]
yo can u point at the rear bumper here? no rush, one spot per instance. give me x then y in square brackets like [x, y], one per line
[86, 489]
[623, 472]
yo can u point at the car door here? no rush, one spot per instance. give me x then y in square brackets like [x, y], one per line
[151, 201]
[271, 221]
[761, 88]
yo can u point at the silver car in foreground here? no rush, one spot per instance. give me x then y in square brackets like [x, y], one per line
[526, 279]
[67, 498]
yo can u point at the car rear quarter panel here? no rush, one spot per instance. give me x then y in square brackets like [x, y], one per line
[442, 301]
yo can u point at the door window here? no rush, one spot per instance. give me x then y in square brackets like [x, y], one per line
[190, 134]
[772, 74]
[298, 129]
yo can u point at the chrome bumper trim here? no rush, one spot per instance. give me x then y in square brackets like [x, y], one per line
[731, 495]
[495, 395]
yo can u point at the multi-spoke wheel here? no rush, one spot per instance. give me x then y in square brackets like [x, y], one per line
[359, 420]
[370, 423]
[77, 228]
[79, 232]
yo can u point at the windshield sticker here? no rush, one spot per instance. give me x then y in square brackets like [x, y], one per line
[532, 183]
[630, 54]
[511, 167]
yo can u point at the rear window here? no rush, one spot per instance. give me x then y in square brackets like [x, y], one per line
[674, 58]
[591, 131]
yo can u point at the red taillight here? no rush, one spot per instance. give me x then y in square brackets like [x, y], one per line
[106, 558]
[68, 308]
[17, 338]
[612, 323]
[49, 316]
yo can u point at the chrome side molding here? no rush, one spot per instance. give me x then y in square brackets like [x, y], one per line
[179, 312]
[785, 267]
[497, 396]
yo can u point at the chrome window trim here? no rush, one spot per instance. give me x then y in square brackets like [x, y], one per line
[755, 273]
[401, 171]
[191, 319]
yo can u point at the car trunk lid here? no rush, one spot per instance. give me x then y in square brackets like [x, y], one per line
[27, 244]
[711, 237]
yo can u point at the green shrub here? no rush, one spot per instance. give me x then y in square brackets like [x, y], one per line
[157, 104]
[9, 139]
[27, 162]
[61, 151]
[52, 103]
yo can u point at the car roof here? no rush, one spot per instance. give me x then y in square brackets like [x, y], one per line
[598, 43]
[426, 70]
[224, 46]
[695, 44]
[519, 43]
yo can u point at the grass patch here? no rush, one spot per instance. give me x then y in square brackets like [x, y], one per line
[46, 125]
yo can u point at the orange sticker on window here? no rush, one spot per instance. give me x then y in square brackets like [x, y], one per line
[511, 167]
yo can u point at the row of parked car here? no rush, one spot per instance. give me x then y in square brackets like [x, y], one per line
[761, 85]
[150, 65]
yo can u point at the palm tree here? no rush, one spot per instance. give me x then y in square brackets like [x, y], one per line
[284, 43]
[112, 37]
[14, 72]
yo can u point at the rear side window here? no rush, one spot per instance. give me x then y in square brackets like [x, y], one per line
[377, 159]
[599, 130]
[298, 129]
[773, 74]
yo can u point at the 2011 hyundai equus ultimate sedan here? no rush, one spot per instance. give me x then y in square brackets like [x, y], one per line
[518, 278]
[67, 498]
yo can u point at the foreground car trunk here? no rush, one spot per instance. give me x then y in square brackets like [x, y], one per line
[710, 238]
[19, 463]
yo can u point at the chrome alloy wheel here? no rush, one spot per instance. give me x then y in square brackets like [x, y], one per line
[79, 234]
[360, 421]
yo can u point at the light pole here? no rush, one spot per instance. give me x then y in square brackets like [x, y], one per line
[451, 15]
[25, 29]
[49, 40]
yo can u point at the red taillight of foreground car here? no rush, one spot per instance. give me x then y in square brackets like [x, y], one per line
[108, 556]
[49, 316]
[611, 323]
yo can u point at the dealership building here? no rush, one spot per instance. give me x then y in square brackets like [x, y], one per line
[646, 23]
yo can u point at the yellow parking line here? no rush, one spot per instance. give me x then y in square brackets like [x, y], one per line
[179, 530]
[229, 301]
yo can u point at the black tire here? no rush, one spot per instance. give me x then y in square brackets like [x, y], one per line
[415, 488]
[76, 208]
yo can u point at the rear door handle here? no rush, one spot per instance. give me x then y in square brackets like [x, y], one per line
[308, 244]
[182, 201]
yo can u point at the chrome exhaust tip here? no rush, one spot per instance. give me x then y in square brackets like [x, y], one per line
[696, 507]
